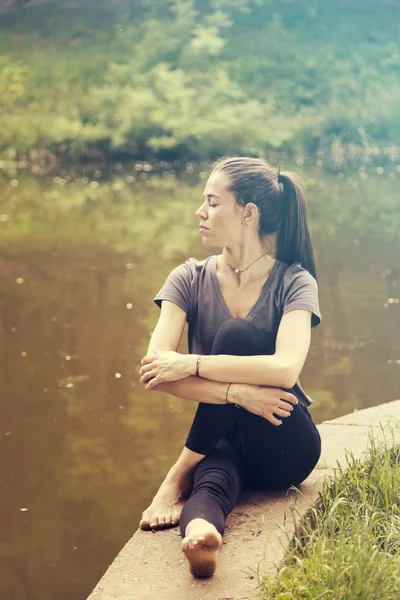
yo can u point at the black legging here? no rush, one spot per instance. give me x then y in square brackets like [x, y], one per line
[244, 450]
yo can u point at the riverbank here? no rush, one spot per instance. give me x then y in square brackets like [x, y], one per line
[348, 546]
[337, 157]
[258, 530]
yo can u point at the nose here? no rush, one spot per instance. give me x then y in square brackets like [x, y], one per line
[201, 212]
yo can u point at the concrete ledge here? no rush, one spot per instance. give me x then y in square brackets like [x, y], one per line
[151, 565]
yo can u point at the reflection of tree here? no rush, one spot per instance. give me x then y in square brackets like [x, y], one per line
[87, 449]
[16, 581]
[359, 332]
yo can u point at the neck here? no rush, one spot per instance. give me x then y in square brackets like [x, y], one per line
[240, 257]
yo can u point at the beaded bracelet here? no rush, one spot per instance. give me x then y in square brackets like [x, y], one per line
[198, 365]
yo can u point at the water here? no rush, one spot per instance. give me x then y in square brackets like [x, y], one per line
[83, 447]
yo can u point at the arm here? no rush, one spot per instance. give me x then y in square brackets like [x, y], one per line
[280, 369]
[167, 336]
[197, 389]
[260, 400]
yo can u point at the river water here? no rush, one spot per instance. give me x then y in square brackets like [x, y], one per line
[82, 447]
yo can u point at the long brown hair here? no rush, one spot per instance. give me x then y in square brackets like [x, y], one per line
[282, 206]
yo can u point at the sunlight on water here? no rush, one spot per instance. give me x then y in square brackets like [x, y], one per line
[83, 446]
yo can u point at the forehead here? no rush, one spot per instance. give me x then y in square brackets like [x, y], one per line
[217, 185]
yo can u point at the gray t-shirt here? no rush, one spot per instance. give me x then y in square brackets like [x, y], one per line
[194, 287]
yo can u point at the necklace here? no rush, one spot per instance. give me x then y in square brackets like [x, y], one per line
[243, 270]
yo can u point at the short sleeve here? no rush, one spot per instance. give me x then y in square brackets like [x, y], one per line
[301, 292]
[177, 288]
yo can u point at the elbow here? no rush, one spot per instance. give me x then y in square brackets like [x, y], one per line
[290, 380]
[288, 376]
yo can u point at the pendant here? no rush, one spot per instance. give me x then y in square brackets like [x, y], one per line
[236, 270]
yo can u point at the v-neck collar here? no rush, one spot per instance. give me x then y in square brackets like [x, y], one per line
[221, 297]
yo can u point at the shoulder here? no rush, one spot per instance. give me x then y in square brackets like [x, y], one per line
[192, 267]
[181, 285]
[300, 291]
[296, 274]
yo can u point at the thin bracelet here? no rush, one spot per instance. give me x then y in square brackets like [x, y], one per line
[226, 397]
[198, 365]
[227, 391]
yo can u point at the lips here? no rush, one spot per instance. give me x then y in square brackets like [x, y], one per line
[202, 228]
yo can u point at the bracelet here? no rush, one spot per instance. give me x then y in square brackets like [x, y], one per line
[226, 397]
[227, 391]
[198, 365]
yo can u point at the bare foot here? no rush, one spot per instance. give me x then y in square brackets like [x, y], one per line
[201, 546]
[167, 504]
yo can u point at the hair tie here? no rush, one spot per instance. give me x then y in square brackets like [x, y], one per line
[280, 180]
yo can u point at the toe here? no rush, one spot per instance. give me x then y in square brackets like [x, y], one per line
[161, 521]
[168, 520]
[145, 521]
[154, 523]
[184, 545]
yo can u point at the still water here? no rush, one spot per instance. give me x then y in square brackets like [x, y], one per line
[82, 446]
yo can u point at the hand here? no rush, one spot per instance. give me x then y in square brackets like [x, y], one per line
[166, 365]
[263, 401]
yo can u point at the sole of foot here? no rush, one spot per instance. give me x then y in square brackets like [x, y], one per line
[201, 551]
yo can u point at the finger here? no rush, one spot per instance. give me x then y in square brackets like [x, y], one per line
[282, 413]
[147, 359]
[144, 369]
[153, 382]
[285, 406]
[148, 375]
[289, 397]
[274, 420]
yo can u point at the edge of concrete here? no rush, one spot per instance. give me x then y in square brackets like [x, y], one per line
[258, 529]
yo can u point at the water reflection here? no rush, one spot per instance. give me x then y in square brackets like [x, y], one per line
[82, 446]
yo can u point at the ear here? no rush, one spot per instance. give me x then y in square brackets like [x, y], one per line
[250, 211]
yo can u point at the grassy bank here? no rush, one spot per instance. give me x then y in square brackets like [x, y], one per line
[348, 546]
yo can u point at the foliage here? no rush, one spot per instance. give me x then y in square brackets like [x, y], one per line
[348, 545]
[198, 79]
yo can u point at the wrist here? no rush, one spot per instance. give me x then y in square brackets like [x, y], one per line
[191, 363]
[232, 396]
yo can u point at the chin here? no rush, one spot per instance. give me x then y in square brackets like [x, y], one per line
[209, 243]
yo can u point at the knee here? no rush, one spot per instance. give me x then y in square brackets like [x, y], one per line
[218, 484]
[233, 333]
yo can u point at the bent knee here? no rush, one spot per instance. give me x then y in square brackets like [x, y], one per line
[235, 329]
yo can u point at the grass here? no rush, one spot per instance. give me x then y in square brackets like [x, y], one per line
[348, 545]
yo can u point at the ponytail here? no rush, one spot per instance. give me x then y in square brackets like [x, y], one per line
[283, 211]
[293, 242]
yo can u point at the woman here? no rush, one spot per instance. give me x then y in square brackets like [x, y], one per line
[249, 317]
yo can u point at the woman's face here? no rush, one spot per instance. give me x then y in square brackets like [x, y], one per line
[219, 214]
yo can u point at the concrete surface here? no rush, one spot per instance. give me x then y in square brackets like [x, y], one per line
[151, 565]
